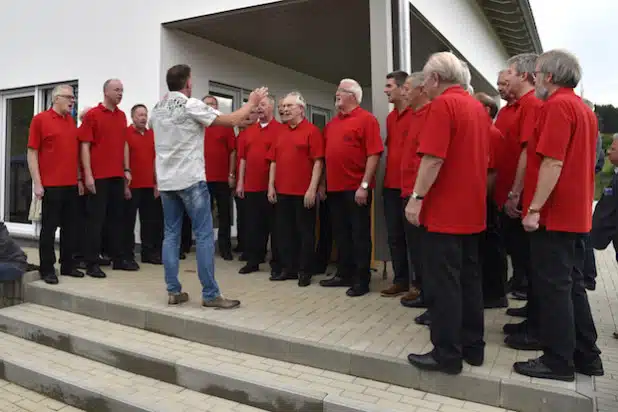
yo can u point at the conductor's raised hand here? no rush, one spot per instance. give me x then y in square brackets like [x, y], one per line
[257, 95]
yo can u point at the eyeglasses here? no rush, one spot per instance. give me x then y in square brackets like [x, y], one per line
[341, 90]
[67, 96]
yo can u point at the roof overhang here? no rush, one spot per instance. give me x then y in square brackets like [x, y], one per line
[514, 24]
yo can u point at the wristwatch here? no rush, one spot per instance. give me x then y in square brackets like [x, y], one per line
[364, 185]
[532, 211]
[416, 196]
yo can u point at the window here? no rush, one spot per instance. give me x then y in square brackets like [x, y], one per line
[17, 109]
[318, 116]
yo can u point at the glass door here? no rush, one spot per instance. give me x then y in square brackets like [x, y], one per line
[18, 110]
[318, 116]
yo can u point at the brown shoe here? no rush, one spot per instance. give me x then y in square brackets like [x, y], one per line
[221, 303]
[412, 294]
[394, 290]
[177, 298]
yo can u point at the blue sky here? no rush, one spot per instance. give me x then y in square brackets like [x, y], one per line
[587, 30]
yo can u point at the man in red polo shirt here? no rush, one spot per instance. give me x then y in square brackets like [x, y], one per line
[295, 171]
[220, 158]
[522, 336]
[142, 190]
[253, 186]
[454, 145]
[53, 156]
[353, 149]
[102, 136]
[410, 160]
[397, 129]
[557, 218]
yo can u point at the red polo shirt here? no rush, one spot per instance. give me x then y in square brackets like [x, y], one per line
[410, 159]
[495, 145]
[254, 147]
[141, 157]
[105, 130]
[350, 139]
[219, 142]
[55, 138]
[518, 133]
[295, 153]
[397, 130]
[456, 130]
[241, 133]
[568, 133]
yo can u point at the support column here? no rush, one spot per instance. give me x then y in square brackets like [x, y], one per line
[380, 24]
[404, 37]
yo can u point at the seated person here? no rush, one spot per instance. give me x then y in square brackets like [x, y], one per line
[13, 260]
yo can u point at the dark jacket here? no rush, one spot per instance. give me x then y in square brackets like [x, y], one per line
[10, 252]
[605, 217]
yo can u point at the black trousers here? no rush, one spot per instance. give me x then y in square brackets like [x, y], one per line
[590, 263]
[81, 221]
[186, 234]
[493, 256]
[241, 226]
[296, 234]
[518, 247]
[261, 224]
[108, 202]
[414, 241]
[567, 330]
[324, 247]
[221, 195]
[352, 233]
[395, 228]
[150, 219]
[455, 295]
[59, 208]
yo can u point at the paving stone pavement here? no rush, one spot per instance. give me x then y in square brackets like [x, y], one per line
[14, 398]
[370, 323]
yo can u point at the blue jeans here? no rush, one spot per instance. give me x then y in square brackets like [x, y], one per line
[10, 272]
[196, 201]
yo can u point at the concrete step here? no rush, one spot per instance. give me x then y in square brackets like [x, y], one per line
[96, 387]
[247, 379]
[188, 323]
[15, 398]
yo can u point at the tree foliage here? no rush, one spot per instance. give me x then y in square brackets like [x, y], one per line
[608, 118]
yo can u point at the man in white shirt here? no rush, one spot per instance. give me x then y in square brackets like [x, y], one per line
[178, 122]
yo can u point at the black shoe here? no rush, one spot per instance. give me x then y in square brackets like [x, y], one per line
[182, 256]
[245, 270]
[503, 302]
[419, 302]
[519, 295]
[50, 278]
[535, 368]
[423, 319]
[304, 280]
[590, 284]
[104, 260]
[518, 312]
[82, 265]
[475, 359]
[357, 290]
[428, 363]
[74, 273]
[594, 368]
[126, 265]
[523, 341]
[31, 267]
[515, 328]
[227, 255]
[95, 272]
[153, 260]
[280, 276]
[615, 335]
[335, 281]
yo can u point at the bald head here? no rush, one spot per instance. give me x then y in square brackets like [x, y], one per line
[112, 92]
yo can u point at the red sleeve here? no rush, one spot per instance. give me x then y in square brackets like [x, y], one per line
[555, 135]
[241, 146]
[34, 137]
[528, 123]
[494, 145]
[86, 130]
[271, 155]
[126, 126]
[389, 129]
[231, 140]
[373, 140]
[435, 136]
[316, 144]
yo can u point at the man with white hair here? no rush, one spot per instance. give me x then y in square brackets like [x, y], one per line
[563, 158]
[353, 149]
[178, 122]
[516, 153]
[53, 156]
[296, 160]
[454, 145]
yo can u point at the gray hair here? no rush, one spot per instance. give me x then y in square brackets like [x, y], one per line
[416, 79]
[300, 100]
[615, 136]
[447, 66]
[525, 63]
[355, 88]
[563, 66]
[589, 104]
[57, 91]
